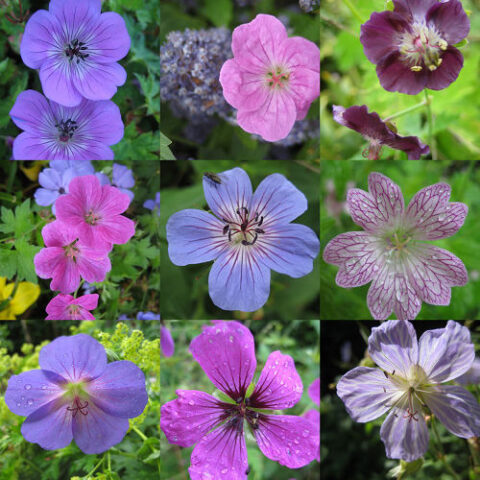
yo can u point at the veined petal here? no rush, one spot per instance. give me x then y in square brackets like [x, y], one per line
[314, 391]
[233, 192]
[109, 41]
[446, 353]
[404, 438]
[393, 346]
[219, 453]
[358, 256]
[31, 112]
[366, 393]
[287, 439]
[226, 353]
[450, 20]
[313, 416]
[472, 375]
[238, 281]
[457, 409]
[194, 236]
[431, 216]
[99, 81]
[188, 418]
[279, 385]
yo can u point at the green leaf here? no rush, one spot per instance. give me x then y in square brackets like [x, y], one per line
[137, 146]
[25, 266]
[150, 450]
[8, 261]
[151, 89]
[219, 12]
[165, 152]
[18, 224]
[462, 44]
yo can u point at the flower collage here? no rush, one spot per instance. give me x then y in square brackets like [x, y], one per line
[238, 240]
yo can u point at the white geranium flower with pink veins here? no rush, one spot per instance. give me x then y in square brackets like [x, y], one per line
[391, 251]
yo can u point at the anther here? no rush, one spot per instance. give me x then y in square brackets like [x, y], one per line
[416, 68]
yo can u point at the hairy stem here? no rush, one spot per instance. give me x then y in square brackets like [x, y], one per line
[354, 11]
[407, 110]
[431, 139]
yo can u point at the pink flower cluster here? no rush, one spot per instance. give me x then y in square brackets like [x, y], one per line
[78, 242]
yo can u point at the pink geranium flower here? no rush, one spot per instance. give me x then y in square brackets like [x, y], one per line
[65, 307]
[272, 79]
[391, 252]
[94, 211]
[66, 258]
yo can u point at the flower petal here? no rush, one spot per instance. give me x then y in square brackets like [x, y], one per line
[93, 264]
[472, 375]
[404, 438]
[78, 357]
[446, 353]
[448, 71]
[366, 393]
[432, 216]
[188, 418]
[238, 281]
[314, 391]
[110, 40]
[414, 10]
[48, 261]
[450, 20]
[115, 229]
[31, 112]
[226, 353]
[103, 121]
[30, 146]
[289, 440]
[313, 416]
[166, 342]
[45, 197]
[99, 81]
[88, 302]
[194, 236]
[357, 254]
[393, 346]
[279, 385]
[219, 453]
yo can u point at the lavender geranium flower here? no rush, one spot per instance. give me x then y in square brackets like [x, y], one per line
[410, 383]
[122, 178]
[76, 48]
[247, 236]
[76, 394]
[377, 132]
[53, 132]
[471, 376]
[413, 46]
[153, 204]
[166, 342]
[391, 252]
[226, 353]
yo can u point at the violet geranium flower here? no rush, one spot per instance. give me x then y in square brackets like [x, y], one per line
[391, 252]
[76, 48]
[272, 79]
[153, 204]
[66, 307]
[66, 258]
[377, 132]
[413, 45]
[53, 132]
[312, 415]
[409, 385]
[166, 342]
[94, 211]
[77, 395]
[226, 353]
[248, 235]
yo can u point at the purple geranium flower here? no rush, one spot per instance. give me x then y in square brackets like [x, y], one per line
[122, 178]
[148, 316]
[226, 353]
[377, 132]
[471, 376]
[413, 45]
[76, 48]
[391, 252]
[248, 235]
[153, 204]
[166, 342]
[313, 416]
[76, 394]
[53, 132]
[408, 385]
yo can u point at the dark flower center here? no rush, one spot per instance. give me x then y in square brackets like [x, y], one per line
[92, 218]
[78, 407]
[245, 228]
[76, 50]
[61, 190]
[66, 129]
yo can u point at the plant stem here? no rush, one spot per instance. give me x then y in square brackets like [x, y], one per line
[139, 433]
[431, 139]
[407, 110]
[95, 468]
[354, 11]
[442, 452]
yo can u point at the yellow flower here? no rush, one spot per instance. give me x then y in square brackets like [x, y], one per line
[25, 295]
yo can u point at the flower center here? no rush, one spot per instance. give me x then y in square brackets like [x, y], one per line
[245, 229]
[422, 47]
[92, 218]
[76, 50]
[398, 241]
[277, 77]
[66, 129]
[77, 406]
[77, 395]
[71, 251]
[374, 149]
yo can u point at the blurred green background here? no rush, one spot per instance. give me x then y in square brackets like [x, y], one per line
[299, 339]
[348, 78]
[339, 303]
[185, 289]
[354, 450]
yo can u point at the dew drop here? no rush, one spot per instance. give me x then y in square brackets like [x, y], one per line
[288, 451]
[224, 471]
[375, 268]
[19, 404]
[210, 340]
[43, 387]
[22, 398]
[441, 217]
[27, 386]
[191, 402]
[306, 433]
[30, 401]
[230, 339]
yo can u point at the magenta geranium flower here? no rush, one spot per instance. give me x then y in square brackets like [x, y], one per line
[410, 384]
[94, 211]
[77, 395]
[166, 342]
[272, 79]
[66, 258]
[377, 132]
[53, 132]
[226, 353]
[66, 307]
[391, 252]
[312, 415]
[413, 45]
[76, 48]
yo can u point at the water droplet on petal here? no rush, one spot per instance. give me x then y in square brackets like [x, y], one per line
[191, 402]
[30, 401]
[306, 433]
[27, 386]
[230, 339]
[43, 387]
[22, 398]
[441, 217]
[19, 404]
[224, 471]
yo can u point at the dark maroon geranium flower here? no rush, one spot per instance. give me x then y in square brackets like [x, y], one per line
[377, 132]
[226, 352]
[413, 45]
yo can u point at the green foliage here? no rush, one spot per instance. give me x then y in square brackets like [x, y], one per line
[165, 152]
